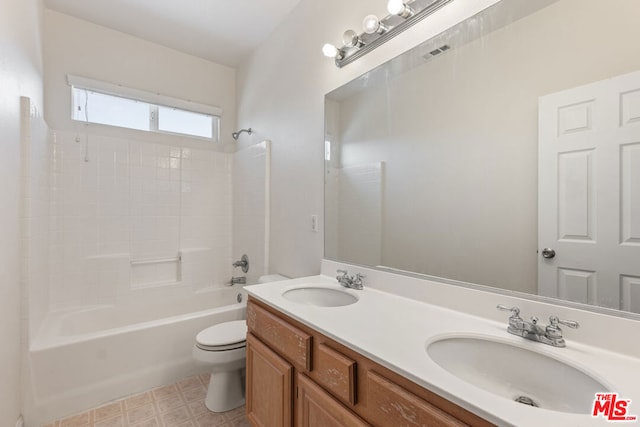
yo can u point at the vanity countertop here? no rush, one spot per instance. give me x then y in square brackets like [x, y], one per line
[395, 331]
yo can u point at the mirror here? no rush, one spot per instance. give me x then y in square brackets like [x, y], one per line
[517, 130]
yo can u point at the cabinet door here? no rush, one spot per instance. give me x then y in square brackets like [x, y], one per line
[316, 408]
[269, 386]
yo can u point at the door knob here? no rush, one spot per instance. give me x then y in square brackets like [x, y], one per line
[548, 253]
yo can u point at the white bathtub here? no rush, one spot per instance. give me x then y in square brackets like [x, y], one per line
[85, 357]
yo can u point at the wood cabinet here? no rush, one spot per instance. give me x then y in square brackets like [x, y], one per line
[269, 391]
[316, 408]
[297, 376]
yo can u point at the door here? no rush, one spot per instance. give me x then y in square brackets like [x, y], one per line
[589, 193]
[269, 394]
[316, 408]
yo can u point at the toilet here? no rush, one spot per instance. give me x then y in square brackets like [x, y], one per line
[223, 348]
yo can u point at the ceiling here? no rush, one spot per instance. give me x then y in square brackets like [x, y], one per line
[222, 31]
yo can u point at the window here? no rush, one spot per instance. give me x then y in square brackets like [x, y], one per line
[140, 110]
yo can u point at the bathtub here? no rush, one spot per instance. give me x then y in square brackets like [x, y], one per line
[85, 357]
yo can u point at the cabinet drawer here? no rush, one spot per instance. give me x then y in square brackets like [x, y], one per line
[289, 341]
[335, 372]
[316, 408]
[390, 404]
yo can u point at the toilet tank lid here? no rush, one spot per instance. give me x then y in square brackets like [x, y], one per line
[272, 278]
[223, 334]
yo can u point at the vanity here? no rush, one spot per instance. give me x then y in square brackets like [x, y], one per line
[319, 354]
[299, 376]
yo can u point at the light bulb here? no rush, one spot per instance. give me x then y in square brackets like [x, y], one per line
[350, 39]
[395, 7]
[399, 7]
[329, 50]
[370, 24]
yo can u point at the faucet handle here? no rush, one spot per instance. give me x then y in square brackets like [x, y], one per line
[357, 281]
[554, 320]
[342, 274]
[515, 311]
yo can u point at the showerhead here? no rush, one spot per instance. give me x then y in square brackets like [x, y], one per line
[236, 135]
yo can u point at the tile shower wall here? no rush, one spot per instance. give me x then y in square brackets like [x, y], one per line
[118, 203]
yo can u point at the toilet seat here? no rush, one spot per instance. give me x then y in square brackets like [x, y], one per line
[223, 336]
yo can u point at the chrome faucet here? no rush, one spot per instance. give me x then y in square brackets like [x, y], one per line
[238, 280]
[550, 335]
[350, 281]
[243, 263]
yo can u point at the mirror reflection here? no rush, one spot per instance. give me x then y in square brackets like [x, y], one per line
[513, 132]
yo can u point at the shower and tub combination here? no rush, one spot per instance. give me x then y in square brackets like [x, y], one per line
[129, 257]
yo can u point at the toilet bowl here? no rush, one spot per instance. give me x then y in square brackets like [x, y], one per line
[223, 348]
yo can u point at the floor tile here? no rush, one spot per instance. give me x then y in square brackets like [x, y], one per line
[173, 402]
[141, 413]
[152, 422]
[81, 420]
[107, 411]
[137, 400]
[190, 382]
[194, 394]
[174, 405]
[176, 418]
[165, 392]
[210, 419]
[111, 422]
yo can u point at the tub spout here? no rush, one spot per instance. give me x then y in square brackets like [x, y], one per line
[238, 280]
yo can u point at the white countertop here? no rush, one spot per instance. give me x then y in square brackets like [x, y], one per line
[394, 331]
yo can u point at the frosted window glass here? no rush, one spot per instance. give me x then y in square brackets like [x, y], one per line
[110, 110]
[96, 107]
[186, 122]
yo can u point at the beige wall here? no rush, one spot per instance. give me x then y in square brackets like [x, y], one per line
[281, 96]
[20, 75]
[74, 46]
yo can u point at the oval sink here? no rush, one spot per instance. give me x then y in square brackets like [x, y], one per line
[319, 296]
[517, 374]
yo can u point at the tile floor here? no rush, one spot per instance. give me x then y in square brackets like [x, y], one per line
[176, 405]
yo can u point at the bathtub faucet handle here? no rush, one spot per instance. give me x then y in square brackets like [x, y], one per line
[243, 263]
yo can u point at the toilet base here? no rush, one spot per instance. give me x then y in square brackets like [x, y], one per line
[226, 391]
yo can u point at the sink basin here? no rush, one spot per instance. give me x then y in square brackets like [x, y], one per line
[319, 296]
[517, 373]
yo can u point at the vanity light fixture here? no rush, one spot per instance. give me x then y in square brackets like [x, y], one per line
[402, 15]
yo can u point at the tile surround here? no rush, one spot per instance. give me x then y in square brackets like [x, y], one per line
[135, 199]
[175, 405]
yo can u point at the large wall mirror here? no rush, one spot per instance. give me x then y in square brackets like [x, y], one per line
[513, 132]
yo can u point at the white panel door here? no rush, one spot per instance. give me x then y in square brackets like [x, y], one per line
[589, 193]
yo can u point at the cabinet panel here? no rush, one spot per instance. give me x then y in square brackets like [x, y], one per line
[335, 372]
[280, 336]
[389, 404]
[316, 408]
[269, 392]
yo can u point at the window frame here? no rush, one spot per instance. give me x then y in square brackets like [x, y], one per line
[154, 101]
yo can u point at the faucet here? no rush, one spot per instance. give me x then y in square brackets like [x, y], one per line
[242, 263]
[550, 335]
[238, 280]
[350, 281]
